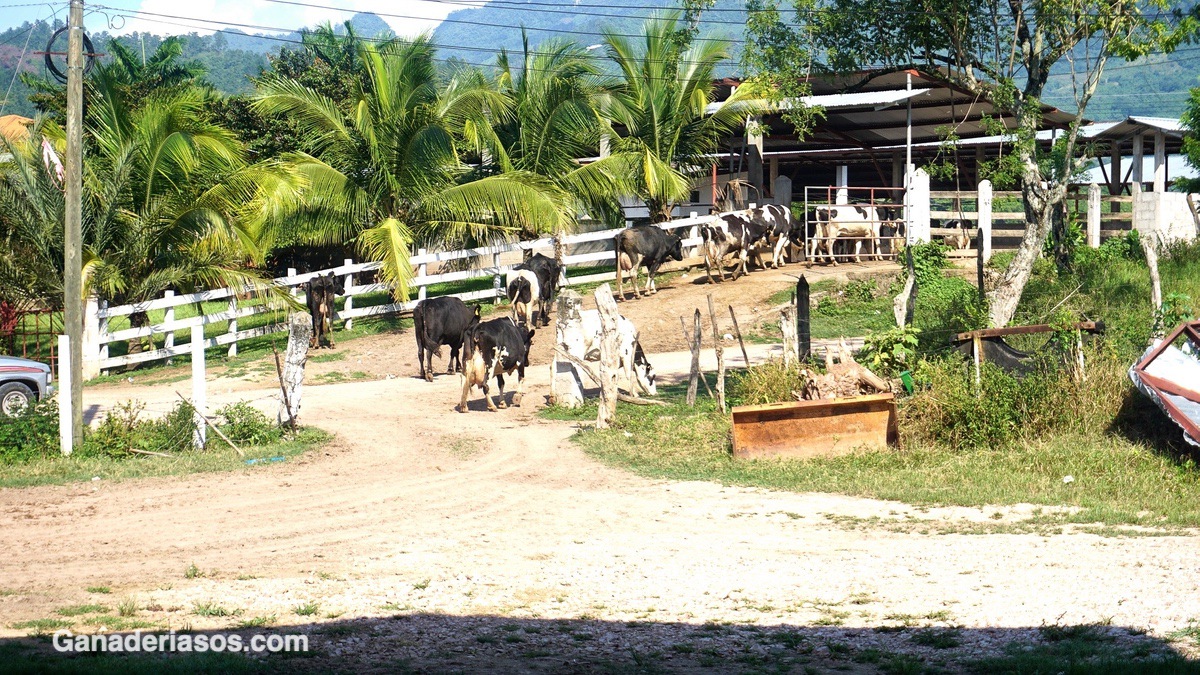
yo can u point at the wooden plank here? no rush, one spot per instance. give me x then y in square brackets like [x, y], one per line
[823, 428]
[1090, 326]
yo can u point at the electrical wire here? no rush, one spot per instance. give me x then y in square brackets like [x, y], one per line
[17, 67]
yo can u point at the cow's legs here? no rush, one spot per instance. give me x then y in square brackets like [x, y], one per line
[500, 383]
[427, 366]
[453, 362]
[466, 389]
[517, 395]
[780, 250]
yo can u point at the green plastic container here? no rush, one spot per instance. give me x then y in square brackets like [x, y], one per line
[907, 381]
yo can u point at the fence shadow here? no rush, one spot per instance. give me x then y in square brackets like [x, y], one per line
[439, 643]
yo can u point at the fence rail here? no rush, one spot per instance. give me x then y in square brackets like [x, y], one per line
[427, 267]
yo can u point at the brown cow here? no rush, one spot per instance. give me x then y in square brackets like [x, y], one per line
[319, 293]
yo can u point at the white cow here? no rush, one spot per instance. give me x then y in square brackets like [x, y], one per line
[638, 371]
[860, 223]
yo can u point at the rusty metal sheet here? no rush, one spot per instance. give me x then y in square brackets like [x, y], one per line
[822, 428]
[1170, 376]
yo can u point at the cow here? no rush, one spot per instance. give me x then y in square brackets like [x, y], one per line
[782, 229]
[961, 239]
[494, 349]
[858, 222]
[892, 232]
[319, 294]
[547, 271]
[730, 233]
[644, 245]
[631, 359]
[523, 289]
[437, 322]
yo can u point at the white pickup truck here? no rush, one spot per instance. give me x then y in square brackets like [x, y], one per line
[22, 383]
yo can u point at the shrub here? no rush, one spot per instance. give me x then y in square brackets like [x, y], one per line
[243, 423]
[125, 428]
[769, 383]
[947, 408]
[32, 434]
[889, 352]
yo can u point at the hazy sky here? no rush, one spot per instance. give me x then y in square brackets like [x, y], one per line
[418, 15]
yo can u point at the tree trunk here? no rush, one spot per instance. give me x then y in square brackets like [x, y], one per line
[299, 333]
[609, 357]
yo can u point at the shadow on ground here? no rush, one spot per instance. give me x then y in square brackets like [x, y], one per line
[434, 643]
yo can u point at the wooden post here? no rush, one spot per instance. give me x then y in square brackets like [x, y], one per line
[566, 386]
[73, 220]
[199, 436]
[985, 220]
[976, 352]
[694, 373]
[300, 330]
[787, 323]
[348, 324]
[609, 356]
[1139, 158]
[712, 316]
[1160, 162]
[803, 320]
[291, 274]
[233, 307]
[737, 330]
[1093, 216]
[422, 270]
[64, 402]
[497, 284]
[169, 338]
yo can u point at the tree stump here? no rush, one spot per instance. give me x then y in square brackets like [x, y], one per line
[300, 330]
[609, 356]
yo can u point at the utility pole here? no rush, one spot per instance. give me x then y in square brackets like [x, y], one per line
[72, 250]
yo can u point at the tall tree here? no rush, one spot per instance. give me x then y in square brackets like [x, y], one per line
[385, 171]
[1003, 50]
[1191, 140]
[662, 104]
[557, 94]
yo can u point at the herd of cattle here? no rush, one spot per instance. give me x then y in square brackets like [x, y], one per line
[500, 347]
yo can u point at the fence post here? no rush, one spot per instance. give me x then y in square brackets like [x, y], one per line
[169, 317]
[349, 304]
[91, 338]
[199, 436]
[1093, 216]
[918, 220]
[103, 331]
[233, 307]
[64, 401]
[422, 270]
[803, 322]
[985, 220]
[497, 285]
[291, 272]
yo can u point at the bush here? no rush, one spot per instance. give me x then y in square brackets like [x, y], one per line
[771, 382]
[125, 428]
[32, 434]
[889, 352]
[947, 409]
[244, 424]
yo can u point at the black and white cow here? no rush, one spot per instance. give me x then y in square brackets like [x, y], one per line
[648, 246]
[547, 272]
[319, 295]
[961, 239]
[523, 289]
[632, 360]
[857, 222]
[782, 229]
[494, 349]
[730, 233]
[437, 322]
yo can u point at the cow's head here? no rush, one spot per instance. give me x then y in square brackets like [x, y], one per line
[675, 246]
[643, 371]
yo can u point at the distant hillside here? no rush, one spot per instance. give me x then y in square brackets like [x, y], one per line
[230, 57]
[477, 35]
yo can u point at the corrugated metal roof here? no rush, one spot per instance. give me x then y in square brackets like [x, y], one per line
[858, 99]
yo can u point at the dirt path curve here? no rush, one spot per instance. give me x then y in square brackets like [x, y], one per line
[465, 523]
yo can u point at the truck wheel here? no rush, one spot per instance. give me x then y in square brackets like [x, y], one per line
[15, 398]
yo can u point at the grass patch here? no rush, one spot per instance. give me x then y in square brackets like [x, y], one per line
[212, 609]
[42, 626]
[56, 469]
[307, 609]
[118, 623]
[1117, 481]
[80, 610]
[18, 658]
[103, 590]
[328, 357]
[1084, 649]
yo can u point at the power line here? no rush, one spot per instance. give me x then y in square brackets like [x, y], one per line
[17, 67]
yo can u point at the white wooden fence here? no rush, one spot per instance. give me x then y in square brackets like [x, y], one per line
[428, 267]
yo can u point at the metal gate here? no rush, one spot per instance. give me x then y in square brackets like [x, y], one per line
[886, 208]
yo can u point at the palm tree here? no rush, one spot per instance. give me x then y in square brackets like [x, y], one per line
[169, 202]
[385, 169]
[661, 103]
[557, 94]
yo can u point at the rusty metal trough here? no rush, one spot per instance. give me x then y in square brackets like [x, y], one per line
[820, 428]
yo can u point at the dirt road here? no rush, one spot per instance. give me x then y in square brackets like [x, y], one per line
[464, 542]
